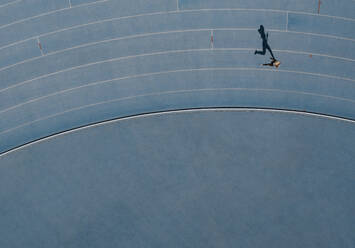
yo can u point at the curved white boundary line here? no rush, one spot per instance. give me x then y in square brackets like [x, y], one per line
[275, 10]
[120, 119]
[153, 74]
[170, 93]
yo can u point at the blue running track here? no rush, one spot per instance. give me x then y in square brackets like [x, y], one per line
[135, 123]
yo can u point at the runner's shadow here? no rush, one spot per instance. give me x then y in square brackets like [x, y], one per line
[266, 46]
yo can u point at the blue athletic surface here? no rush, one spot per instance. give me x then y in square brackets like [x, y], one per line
[207, 178]
[66, 64]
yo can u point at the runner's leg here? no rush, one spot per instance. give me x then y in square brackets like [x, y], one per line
[263, 51]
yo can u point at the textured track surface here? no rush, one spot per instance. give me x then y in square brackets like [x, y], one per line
[263, 173]
[207, 178]
[65, 64]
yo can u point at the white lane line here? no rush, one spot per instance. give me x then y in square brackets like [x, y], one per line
[296, 32]
[273, 10]
[100, 62]
[177, 5]
[314, 54]
[18, 42]
[192, 10]
[106, 41]
[49, 13]
[144, 15]
[216, 109]
[143, 55]
[293, 52]
[10, 3]
[88, 24]
[323, 35]
[158, 33]
[173, 92]
[69, 3]
[85, 85]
